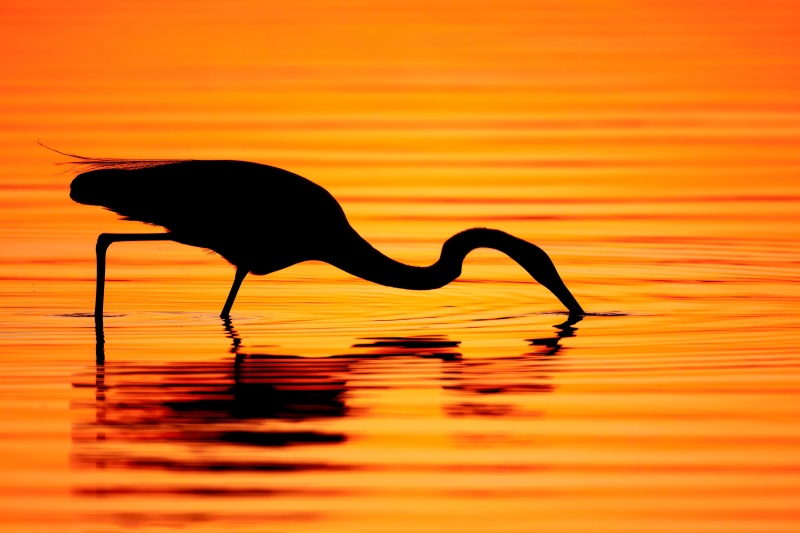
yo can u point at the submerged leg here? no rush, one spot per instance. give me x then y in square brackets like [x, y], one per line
[103, 242]
[241, 272]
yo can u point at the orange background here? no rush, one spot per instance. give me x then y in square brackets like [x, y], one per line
[602, 101]
[650, 147]
[462, 90]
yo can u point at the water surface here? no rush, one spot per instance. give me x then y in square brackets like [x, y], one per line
[650, 150]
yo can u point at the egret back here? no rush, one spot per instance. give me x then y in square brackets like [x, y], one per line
[251, 214]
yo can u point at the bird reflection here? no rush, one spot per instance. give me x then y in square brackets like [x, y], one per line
[553, 345]
[483, 385]
[265, 401]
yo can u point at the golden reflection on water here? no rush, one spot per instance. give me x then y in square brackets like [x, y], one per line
[651, 150]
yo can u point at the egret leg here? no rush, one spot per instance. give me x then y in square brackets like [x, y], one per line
[241, 272]
[103, 242]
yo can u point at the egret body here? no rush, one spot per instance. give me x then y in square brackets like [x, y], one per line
[263, 219]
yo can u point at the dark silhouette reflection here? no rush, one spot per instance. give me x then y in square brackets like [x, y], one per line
[486, 382]
[100, 343]
[263, 219]
[255, 402]
[552, 345]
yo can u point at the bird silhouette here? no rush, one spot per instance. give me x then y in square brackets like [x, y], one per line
[263, 219]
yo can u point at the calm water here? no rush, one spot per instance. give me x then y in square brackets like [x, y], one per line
[331, 404]
[651, 150]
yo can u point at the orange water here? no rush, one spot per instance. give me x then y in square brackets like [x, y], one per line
[652, 151]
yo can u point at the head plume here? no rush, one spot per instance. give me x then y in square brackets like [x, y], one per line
[85, 164]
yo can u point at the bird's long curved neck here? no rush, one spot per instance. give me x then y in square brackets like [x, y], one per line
[361, 259]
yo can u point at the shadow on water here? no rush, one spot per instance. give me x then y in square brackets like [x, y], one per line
[226, 416]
